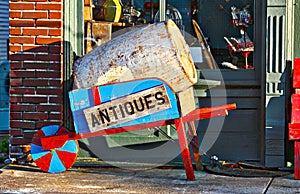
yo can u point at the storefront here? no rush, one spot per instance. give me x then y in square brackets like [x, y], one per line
[259, 85]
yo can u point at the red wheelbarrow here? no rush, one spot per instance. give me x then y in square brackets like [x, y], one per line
[116, 108]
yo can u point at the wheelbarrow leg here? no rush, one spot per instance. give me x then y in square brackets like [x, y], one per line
[184, 148]
[195, 145]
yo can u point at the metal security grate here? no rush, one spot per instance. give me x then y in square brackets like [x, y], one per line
[276, 37]
[4, 29]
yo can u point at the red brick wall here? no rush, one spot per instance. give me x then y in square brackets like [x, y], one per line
[35, 46]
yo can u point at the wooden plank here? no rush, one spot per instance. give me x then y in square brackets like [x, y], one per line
[127, 108]
[83, 99]
[101, 32]
[186, 101]
[89, 44]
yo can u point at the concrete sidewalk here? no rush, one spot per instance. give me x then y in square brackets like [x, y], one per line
[29, 179]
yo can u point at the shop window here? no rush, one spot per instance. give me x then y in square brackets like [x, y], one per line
[226, 26]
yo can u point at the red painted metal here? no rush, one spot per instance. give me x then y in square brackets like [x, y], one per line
[56, 141]
[294, 126]
[96, 95]
[297, 160]
[195, 145]
[61, 137]
[294, 133]
[184, 148]
[295, 116]
[296, 74]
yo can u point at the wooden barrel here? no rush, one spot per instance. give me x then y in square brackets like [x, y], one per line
[155, 50]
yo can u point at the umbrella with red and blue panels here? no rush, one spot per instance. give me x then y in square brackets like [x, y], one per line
[55, 160]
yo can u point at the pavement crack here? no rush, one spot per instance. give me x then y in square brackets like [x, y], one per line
[268, 185]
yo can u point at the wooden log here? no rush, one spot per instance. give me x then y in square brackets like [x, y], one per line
[156, 50]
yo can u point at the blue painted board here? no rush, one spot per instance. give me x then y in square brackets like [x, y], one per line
[82, 99]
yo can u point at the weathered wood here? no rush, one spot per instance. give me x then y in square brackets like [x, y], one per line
[186, 101]
[102, 31]
[127, 108]
[156, 50]
[86, 98]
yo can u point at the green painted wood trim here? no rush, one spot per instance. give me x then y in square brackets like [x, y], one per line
[73, 47]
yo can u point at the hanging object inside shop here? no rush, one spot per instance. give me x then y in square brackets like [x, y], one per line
[112, 10]
[244, 45]
[173, 14]
[131, 15]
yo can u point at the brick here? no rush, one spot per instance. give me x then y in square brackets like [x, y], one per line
[35, 32]
[15, 115]
[16, 132]
[57, 100]
[22, 23]
[15, 99]
[35, 116]
[20, 140]
[35, 99]
[48, 40]
[21, 40]
[15, 31]
[49, 91]
[21, 57]
[35, 82]
[28, 135]
[56, 83]
[48, 57]
[16, 82]
[55, 32]
[21, 6]
[15, 14]
[40, 124]
[22, 107]
[37, 66]
[55, 66]
[22, 91]
[35, 48]
[15, 48]
[55, 15]
[49, 108]
[49, 23]
[35, 14]
[55, 116]
[48, 6]
[16, 65]
[22, 74]
[55, 49]
[48, 74]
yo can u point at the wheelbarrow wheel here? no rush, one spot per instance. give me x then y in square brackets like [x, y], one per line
[55, 160]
